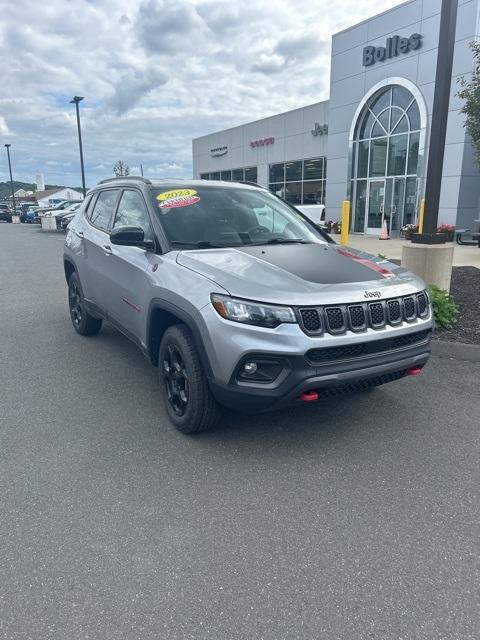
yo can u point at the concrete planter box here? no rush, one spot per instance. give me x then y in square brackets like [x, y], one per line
[49, 223]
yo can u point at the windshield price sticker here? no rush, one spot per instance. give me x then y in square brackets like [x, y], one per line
[177, 198]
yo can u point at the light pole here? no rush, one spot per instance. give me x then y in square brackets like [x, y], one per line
[76, 100]
[11, 179]
[438, 129]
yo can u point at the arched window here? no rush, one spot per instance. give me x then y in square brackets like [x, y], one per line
[392, 111]
[385, 159]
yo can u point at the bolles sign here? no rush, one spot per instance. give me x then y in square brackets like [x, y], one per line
[392, 48]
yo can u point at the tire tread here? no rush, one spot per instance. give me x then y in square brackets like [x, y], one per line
[208, 407]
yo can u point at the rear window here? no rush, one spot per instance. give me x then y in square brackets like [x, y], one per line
[229, 216]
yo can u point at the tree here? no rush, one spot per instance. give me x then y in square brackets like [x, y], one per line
[121, 169]
[470, 93]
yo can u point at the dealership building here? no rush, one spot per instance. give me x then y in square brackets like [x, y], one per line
[369, 142]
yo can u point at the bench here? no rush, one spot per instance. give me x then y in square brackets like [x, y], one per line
[474, 234]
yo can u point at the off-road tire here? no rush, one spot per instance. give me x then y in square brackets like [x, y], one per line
[83, 323]
[201, 410]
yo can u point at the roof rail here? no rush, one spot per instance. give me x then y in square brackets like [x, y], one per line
[139, 178]
[252, 184]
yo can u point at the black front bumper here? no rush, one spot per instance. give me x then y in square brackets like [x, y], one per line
[327, 380]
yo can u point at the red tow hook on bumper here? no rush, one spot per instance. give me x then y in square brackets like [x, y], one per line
[414, 371]
[309, 396]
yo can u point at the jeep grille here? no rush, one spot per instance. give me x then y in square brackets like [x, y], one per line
[360, 316]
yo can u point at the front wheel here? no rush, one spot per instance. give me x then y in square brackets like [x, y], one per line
[188, 399]
[83, 322]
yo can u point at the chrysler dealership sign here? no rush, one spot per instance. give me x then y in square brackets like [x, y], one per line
[393, 46]
[218, 151]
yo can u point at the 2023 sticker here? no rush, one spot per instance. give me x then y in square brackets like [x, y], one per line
[177, 198]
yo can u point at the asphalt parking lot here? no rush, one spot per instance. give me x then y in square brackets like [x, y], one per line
[353, 519]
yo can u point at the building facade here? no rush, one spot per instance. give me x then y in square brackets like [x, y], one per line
[369, 142]
[50, 197]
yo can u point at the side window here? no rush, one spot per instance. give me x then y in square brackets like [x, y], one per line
[104, 208]
[87, 204]
[132, 212]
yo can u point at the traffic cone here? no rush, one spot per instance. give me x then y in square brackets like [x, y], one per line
[384, 234]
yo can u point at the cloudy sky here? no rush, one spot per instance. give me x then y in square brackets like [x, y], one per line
[155, 74]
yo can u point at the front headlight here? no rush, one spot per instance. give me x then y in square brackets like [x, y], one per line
[261, 315]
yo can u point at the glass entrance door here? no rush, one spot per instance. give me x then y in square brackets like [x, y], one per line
[376, 205]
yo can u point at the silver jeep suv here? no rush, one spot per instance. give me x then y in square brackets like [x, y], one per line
[238, 298]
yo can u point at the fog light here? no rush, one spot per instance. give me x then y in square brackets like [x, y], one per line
[262, 369]
[250, 367]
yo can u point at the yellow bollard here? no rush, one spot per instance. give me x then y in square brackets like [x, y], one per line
[345, 222]
[421, 215]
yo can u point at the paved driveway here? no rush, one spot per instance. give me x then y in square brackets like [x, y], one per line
[356, 519]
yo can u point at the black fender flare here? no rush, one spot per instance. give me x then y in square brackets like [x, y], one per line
[68, 260]
[189, 320]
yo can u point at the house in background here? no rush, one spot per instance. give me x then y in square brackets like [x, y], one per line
[22, 193]
[51, 197]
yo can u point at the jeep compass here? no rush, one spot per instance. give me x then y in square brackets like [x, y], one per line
[237, 298]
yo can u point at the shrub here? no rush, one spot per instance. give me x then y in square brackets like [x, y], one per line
[408, 230]
[448, 230]
[445, 309]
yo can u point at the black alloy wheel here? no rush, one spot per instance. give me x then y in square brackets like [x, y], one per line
[176, 379]
[83, 323]
[75, 301]
[188, 400]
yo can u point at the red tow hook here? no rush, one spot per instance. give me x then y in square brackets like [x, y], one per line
[309, 396]
[414, 371]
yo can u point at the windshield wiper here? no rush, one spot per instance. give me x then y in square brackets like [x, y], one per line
[198, 245]
[285, 241]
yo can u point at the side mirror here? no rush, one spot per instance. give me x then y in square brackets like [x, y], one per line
[131, 237]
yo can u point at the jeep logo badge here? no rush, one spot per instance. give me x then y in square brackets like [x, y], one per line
[372, 294]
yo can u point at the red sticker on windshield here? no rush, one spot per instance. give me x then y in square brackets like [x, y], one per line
[177, 198]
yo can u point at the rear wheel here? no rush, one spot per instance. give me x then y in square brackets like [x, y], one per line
[188, 399]
[83, 323]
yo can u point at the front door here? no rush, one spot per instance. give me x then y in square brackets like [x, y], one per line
[375, 207]
[128, 282]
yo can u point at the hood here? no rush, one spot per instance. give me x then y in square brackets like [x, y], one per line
[300, 274]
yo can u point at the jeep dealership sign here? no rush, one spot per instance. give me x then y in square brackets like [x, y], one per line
[393, 47]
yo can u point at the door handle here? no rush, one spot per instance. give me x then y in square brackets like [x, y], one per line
[80, 234]
[107, 249]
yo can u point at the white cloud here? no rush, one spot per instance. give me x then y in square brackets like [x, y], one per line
[4, 130]
[155, 74]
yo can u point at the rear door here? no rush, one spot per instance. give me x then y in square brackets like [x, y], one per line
[98, 250]
[128, 288]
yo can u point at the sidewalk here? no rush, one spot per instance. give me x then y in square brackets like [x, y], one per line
[462, 256]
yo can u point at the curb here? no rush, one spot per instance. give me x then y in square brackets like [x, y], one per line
[456, 350]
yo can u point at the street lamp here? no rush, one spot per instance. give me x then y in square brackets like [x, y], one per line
[76, 100]
[11, 179]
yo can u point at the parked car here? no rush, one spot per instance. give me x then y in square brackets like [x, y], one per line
[66, 219]
[5, 213]
[237, 309]
[61, 206]
[314, 212]
[32, 216]
[59, 215]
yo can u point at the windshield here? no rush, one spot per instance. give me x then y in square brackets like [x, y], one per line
[211, 216]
